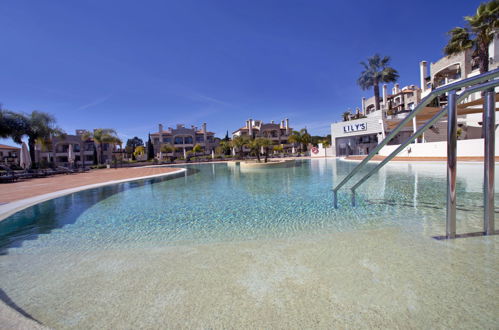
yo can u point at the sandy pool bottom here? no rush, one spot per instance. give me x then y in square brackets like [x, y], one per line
[363, 279]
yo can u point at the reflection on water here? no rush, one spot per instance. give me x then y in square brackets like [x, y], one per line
[217, 202]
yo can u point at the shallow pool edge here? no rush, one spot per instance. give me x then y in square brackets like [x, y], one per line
[11, 208]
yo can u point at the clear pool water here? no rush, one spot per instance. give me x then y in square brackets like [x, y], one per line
[218, 247]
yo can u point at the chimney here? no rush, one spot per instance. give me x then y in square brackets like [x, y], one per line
[364, 106]
[423, 71]
[205, 133]
[247, 123]
[250, 132]
[271, 121]
[397, 88]
[287, 125]
[357, 110]
[160, 126]
[385, 95]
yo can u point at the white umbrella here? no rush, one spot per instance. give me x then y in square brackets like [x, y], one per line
[71, 154]
[160, 155]
[213, 154]
[185, 154]
[233, 151]
[25, 159]
[293, 150]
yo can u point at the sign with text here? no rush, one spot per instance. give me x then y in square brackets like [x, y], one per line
[355, 128]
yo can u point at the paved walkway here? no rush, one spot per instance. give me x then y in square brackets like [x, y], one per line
[10, 192]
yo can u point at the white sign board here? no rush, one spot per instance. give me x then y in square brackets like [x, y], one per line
[355, 128]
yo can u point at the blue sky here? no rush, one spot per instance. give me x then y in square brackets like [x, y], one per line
[130, 65]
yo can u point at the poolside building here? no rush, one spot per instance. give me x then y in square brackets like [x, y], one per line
[184, 138]
[9, 155]
[277, 133]
[56, 150]
[360, 132]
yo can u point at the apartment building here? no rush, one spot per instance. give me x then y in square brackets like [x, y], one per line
[184, 138]
[277, 133]
[9, 155]
[84, 149]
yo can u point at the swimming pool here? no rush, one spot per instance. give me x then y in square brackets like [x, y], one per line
[218, 247]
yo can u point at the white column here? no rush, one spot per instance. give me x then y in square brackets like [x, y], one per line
[414, 127]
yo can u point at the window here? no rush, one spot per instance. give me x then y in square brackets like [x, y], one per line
[188, 140]
[199, 138]
[167, 140]
[155, 141]
[179, 140]
[105, 146]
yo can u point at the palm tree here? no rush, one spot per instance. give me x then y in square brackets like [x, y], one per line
[239, 142]
[225, 146]
[300, 137]
[36, 126]
[346, 115]
[265, 144]
[477, 35]
[376, 71]
[254, 146]
[101, 136]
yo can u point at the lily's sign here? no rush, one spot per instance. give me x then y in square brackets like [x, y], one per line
[355, 128]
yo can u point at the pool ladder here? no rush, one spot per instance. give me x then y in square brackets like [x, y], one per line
[486, 83]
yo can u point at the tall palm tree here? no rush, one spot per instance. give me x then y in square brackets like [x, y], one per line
[36, 126]
[376, 71]
[300, 137]
[265, 144]
[254, 145]
[101, 136]
[477, 34]
[239, 142]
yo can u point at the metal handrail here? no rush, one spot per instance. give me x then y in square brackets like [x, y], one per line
[421, 130]
[424, 102]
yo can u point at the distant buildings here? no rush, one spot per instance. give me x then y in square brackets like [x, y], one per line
[183, 138]
[277, 133]
[9, 155]
[57, 150]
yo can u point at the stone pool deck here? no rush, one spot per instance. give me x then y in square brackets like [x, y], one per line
[10, 192]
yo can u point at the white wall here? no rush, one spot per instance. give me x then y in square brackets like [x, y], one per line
[465, 148]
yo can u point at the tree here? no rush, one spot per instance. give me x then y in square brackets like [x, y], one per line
[376, 71]
[197, 149]
[96, 161]
[346, 115]
[139, 151]
[238, 143]
[265, 144]
[102, 136]
[254, 146]
[226, 138]
[300, 137]
[131, 144]
[36, 126]
[225, 147]
[477, 34]
[279, 148]
[150, 149]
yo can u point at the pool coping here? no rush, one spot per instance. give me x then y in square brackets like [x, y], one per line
[8, 209]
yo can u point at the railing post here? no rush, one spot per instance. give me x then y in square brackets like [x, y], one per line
[451, 164]
[489, 127]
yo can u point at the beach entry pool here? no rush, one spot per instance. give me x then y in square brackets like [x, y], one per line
[218, 247]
